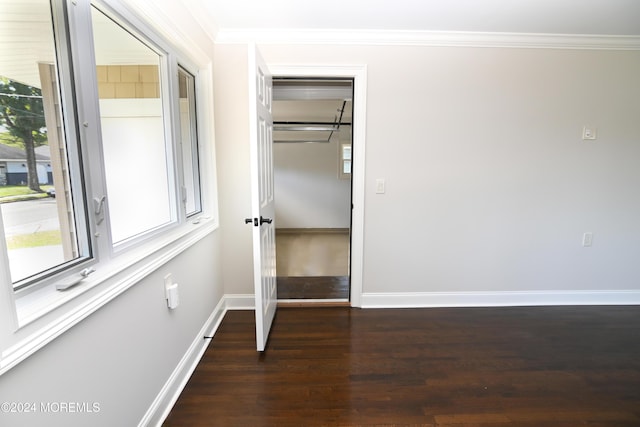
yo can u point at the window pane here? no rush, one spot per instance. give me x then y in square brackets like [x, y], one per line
[189, 142]
[133, 136]
[346, 152]
[346, 167]
[36, 193]
[345, 160]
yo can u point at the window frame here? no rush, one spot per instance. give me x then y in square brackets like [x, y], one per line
[195, 145]
[167, 64]
[74, 36]
[68, 90]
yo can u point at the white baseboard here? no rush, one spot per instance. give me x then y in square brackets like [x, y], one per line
[240, 301]
[499, 299]
[163, 403]
[161, 406]
[472, 299]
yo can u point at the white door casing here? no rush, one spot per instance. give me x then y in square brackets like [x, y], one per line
[262, 195]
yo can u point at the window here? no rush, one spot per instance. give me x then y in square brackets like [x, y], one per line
[345, 161]
[189, 142]
[39, 148]
[136, 155]
[108, 151]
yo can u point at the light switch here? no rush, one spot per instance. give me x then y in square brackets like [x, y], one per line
[589, 133]
[380, 186]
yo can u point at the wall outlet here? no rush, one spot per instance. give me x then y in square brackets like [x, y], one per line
[171, 292]
[172, 296]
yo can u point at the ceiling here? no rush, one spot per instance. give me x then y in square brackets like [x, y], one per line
[592, 17]
[311, 111]
[25, 39]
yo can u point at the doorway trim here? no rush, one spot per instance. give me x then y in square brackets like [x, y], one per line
[359, 75]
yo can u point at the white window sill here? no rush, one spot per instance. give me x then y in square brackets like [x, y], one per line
[45, 314]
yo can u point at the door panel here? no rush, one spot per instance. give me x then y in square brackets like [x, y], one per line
[264, 248]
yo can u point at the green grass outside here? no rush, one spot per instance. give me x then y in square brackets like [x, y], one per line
[32, 240]
[21, 190]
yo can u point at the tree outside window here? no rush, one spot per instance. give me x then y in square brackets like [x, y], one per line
[22, 115]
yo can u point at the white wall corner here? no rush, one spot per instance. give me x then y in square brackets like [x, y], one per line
[170, 392]
[499, 299]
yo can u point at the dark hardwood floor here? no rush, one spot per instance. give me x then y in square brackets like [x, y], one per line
[313, 287]
[446, 367]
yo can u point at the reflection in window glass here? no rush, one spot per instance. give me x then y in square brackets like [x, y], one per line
[133, 135]
[189, 142]
[35, 191]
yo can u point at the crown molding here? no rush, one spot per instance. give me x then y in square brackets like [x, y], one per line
[428, 38]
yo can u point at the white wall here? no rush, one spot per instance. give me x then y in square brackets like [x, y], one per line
[232, 153]
[489, 185]
[308, 192]
[121, 356]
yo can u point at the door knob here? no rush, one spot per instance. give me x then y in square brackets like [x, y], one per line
[267, 220]
[253, 221]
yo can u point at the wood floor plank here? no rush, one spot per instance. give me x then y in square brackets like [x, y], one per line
[456, 367]
[315, 287]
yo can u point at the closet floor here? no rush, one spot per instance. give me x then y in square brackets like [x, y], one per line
[312, 264]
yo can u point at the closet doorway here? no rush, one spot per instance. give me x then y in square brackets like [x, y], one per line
[312, 156]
